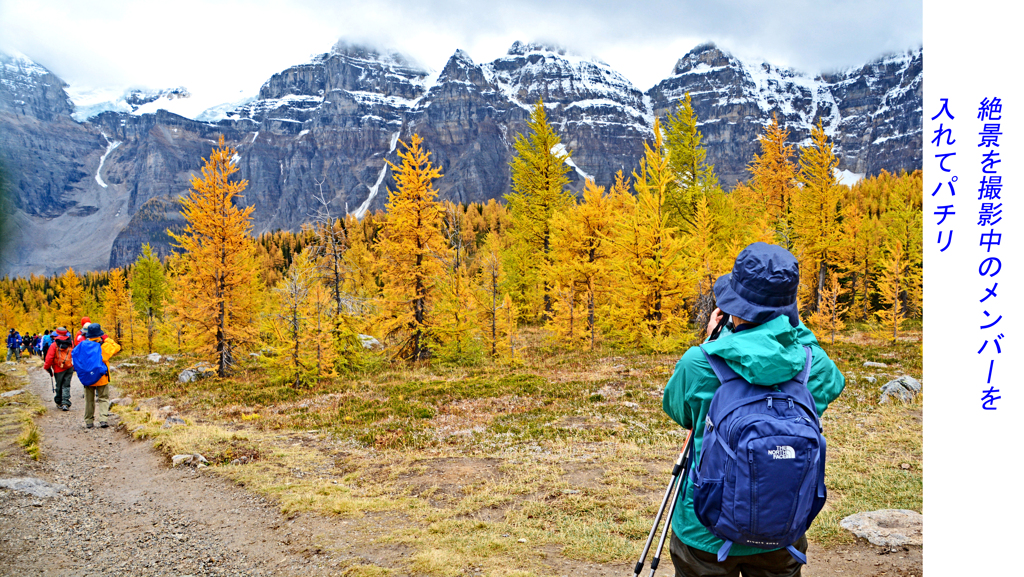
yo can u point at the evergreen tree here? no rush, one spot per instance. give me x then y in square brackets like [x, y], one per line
[215, 295]
[411, 251]
[149, 289]
[538, 190]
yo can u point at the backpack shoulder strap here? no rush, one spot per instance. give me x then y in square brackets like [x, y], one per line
[721, 368]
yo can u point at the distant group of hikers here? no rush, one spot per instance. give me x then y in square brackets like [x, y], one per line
[87, 354]
[17, 346]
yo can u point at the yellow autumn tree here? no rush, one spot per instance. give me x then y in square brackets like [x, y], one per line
[456, 326]
[705, 262]
[497, 324]
[829, 317]
[300, 326]
[70, 301]
[890, 285]
[216, 288]
[119, 315]
[773, 181]
[538, 190]
[580, 259]
[650, 308]
[816, 214]
[411, 249]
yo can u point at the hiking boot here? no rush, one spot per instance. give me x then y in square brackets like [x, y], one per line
[64, 408]
[88, 425]
[103, 425]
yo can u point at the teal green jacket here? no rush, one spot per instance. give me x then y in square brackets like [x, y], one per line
[764, 355]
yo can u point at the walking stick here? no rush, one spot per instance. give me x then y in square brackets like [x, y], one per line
[671, 492]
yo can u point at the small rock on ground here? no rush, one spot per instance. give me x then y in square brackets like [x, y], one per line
[887, 527]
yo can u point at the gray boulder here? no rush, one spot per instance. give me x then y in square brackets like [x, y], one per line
[14, 393]
[154, 357]
[32, 486]
[172, 421]
[874, 364]
[887, 527]
[369, 342]
[903, 389]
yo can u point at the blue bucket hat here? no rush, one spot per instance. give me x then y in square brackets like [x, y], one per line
[763, 285]
[92, 331]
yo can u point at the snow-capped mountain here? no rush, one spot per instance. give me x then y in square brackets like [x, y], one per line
[138, 101]
[733, 100]
[114, 178]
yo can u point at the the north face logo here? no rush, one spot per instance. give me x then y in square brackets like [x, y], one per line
[783, 452]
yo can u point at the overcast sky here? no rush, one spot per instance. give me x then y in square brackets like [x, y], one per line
[224, 50]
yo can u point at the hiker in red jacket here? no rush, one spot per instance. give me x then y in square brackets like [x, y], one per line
[59, 365]
[81, 333]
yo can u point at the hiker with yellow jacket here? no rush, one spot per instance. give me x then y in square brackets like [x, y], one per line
[92, 365]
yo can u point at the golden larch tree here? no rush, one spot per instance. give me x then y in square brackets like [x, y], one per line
[649, 257]
[412, 249]
[70, 301]
[216, 290]
[538, 190]
[490, 296]
[829, 317]
[773, 180]
[816, 214]
[119, 313]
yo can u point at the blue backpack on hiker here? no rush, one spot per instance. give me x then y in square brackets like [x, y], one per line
[760, 480]
[87, 357]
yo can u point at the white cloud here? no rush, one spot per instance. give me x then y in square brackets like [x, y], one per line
[223, 50]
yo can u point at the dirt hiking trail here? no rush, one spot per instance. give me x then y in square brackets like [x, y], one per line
[119, 509]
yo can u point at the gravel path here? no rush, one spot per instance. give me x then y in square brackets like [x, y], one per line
[119, 510]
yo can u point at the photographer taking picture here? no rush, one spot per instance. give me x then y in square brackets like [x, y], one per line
[772, 482]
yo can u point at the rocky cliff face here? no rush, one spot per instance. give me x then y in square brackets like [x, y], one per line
[872, 113]
[100, 189]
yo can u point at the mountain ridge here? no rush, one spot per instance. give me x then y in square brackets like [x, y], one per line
[338, 117]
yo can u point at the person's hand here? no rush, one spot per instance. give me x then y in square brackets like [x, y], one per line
[50, 371]
[716, 317]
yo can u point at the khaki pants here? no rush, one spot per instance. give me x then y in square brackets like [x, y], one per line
[101, 399]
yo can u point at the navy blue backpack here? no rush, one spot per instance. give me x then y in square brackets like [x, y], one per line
[88, 359]
[760, 480]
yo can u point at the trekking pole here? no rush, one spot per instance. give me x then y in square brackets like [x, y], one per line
[671, 508]
[677, 470]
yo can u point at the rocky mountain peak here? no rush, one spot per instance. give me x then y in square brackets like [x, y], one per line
[28, 88]
[703, 57]
[461, 68]
[523, 48]
[355, 52]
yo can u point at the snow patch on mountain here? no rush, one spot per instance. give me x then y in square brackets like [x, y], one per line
[365, 206]
[111, 145]
[559, 149]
